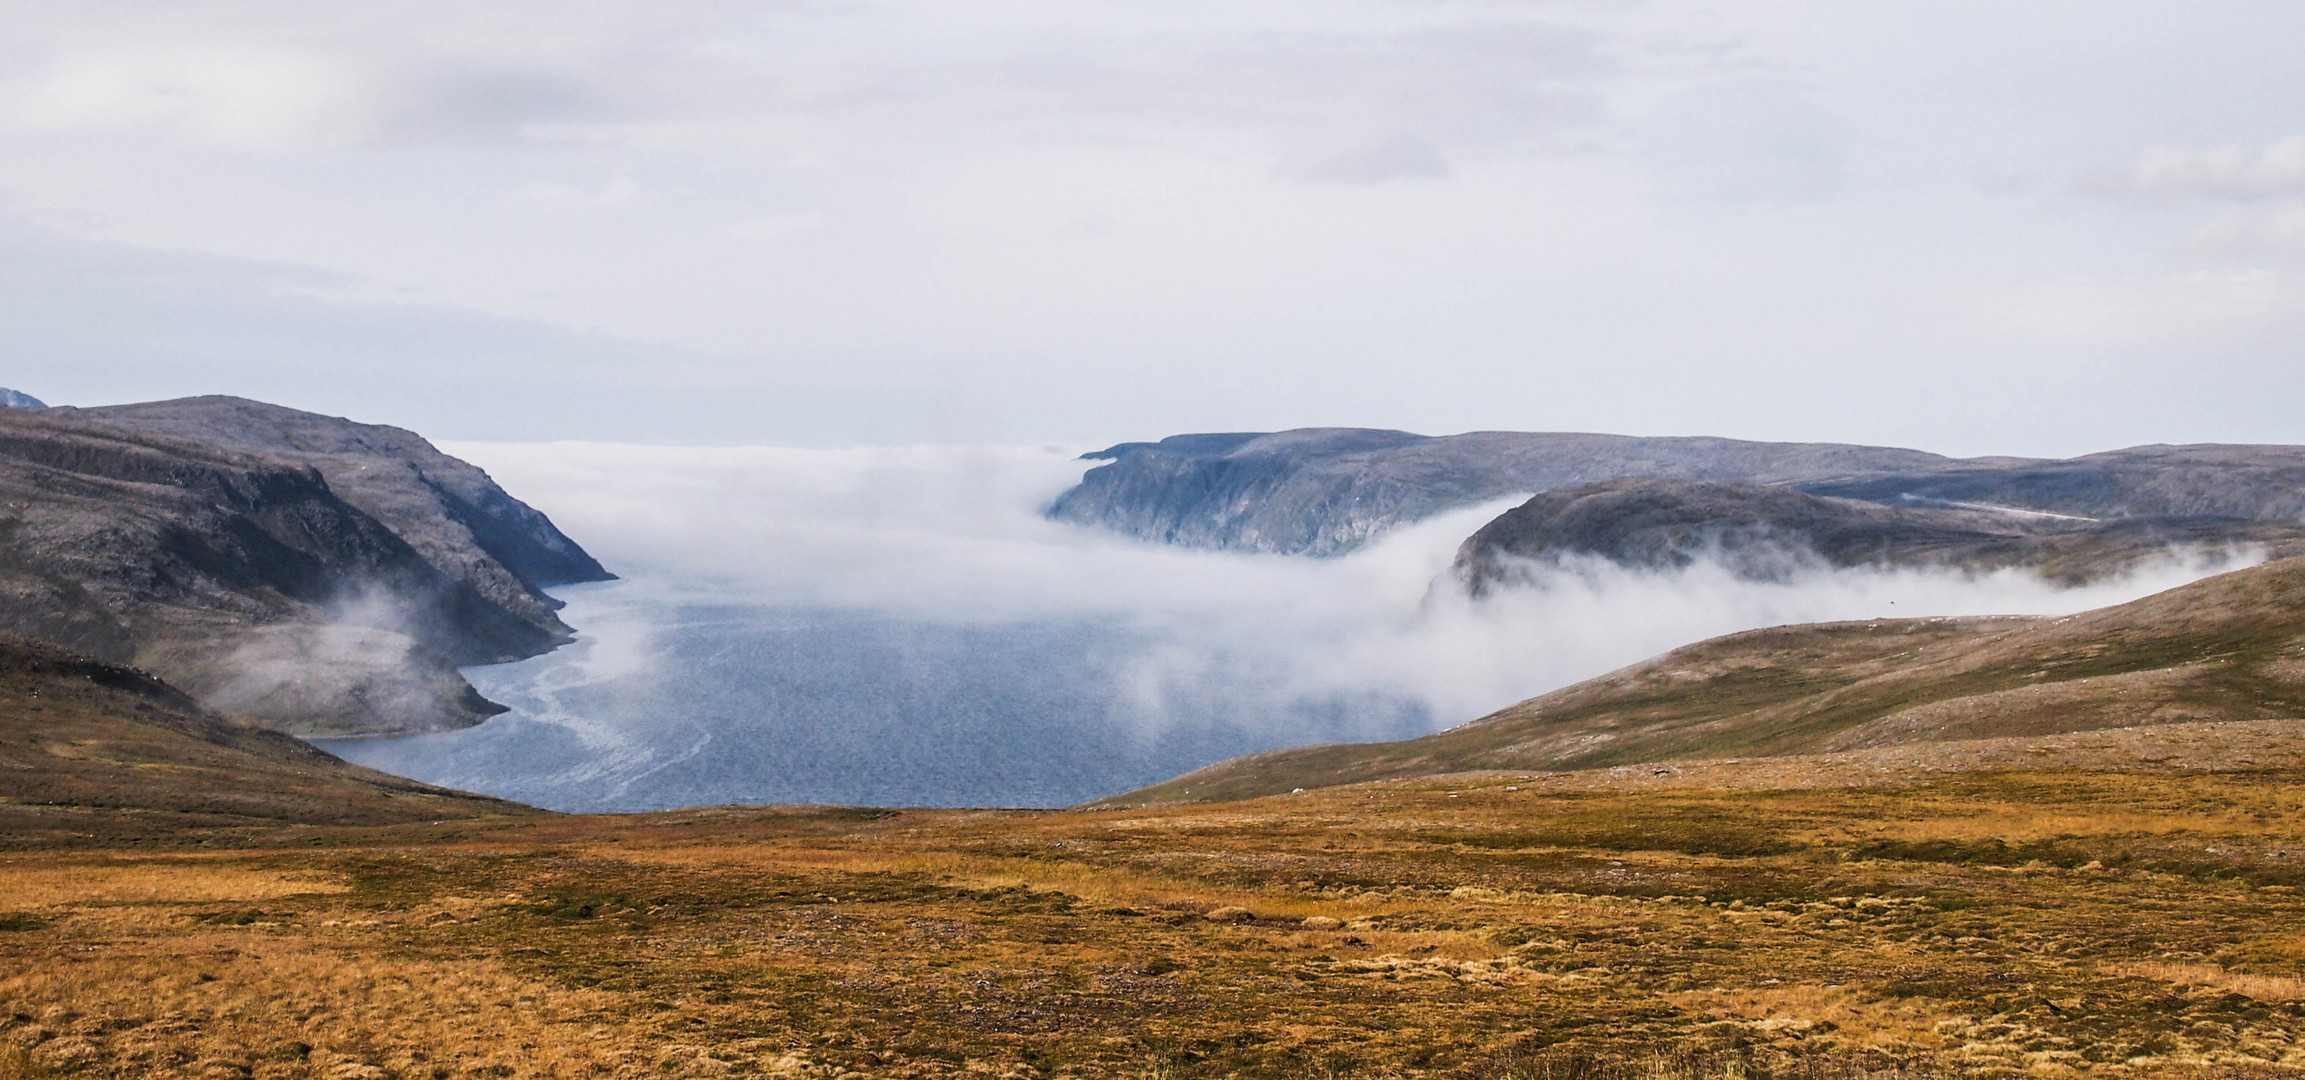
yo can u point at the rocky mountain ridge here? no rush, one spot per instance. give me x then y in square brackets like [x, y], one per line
[1325, 491]
[450, 511]
[308, 572]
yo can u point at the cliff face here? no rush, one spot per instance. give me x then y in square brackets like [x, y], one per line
[448, 510]
[1772, 533]
[205, 540]
[1324, 491]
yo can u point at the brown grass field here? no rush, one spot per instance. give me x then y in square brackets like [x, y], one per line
[2055, 919]
[1985, 848]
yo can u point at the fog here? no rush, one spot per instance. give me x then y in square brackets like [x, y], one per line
[901, 625]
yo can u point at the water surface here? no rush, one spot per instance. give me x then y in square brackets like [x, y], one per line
[664, 703]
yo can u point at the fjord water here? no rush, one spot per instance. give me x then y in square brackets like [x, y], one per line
[901, 626]
[745, 703]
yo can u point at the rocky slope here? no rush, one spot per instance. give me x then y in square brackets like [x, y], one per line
[1323, 491]
[310, 573]
[1773, 533]
[91, 750]
[448, 510]
[2227, 648]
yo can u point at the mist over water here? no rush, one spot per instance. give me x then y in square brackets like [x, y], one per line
[900, 626]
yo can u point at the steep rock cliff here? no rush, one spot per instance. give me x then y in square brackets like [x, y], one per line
[249, 580]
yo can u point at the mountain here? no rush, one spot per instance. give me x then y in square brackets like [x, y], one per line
[448, 510]
[1324, 491]
[310, 573]
[1772, 533]
[14, 399]
[96, 750]
[2226, 648]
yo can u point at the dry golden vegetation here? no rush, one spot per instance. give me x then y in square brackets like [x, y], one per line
[96, 753]
[2228, 648]
[2052, 921]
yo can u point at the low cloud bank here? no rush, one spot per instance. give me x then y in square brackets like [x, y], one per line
[953, 536]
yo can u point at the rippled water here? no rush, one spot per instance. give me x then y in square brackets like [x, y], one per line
[664, 703]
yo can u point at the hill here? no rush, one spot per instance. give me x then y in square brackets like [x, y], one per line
[1773, 533]
[2227, 648]
[2048, 920]
[2257, 483]
[448, 510]
[91, 752]
[311, 573]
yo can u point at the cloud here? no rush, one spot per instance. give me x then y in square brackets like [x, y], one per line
[953, 535]
[618, 193]
[437, 104]
[2228, 172]
[1401, 157]
[1745, 143]
[272, 99]
[1115, 209]
[2267, 229]
[2241, 308]
[772, 226]
[244, 98]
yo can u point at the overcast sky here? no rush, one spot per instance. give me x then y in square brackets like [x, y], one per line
[1968, 227]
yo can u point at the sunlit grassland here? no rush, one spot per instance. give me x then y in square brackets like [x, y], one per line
[2054, 923]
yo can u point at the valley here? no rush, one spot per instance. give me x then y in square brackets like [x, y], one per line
[1968, 846]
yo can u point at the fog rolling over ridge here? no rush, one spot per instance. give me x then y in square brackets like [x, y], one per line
[904, 626]
[1324, 491]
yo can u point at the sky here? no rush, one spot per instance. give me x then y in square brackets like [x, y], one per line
[2035, 227]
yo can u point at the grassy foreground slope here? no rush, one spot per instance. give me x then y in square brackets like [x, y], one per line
[2050, 921]
[97, 753]
[2230, 647]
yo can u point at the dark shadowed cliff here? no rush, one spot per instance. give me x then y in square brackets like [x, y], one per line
[310, 573]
